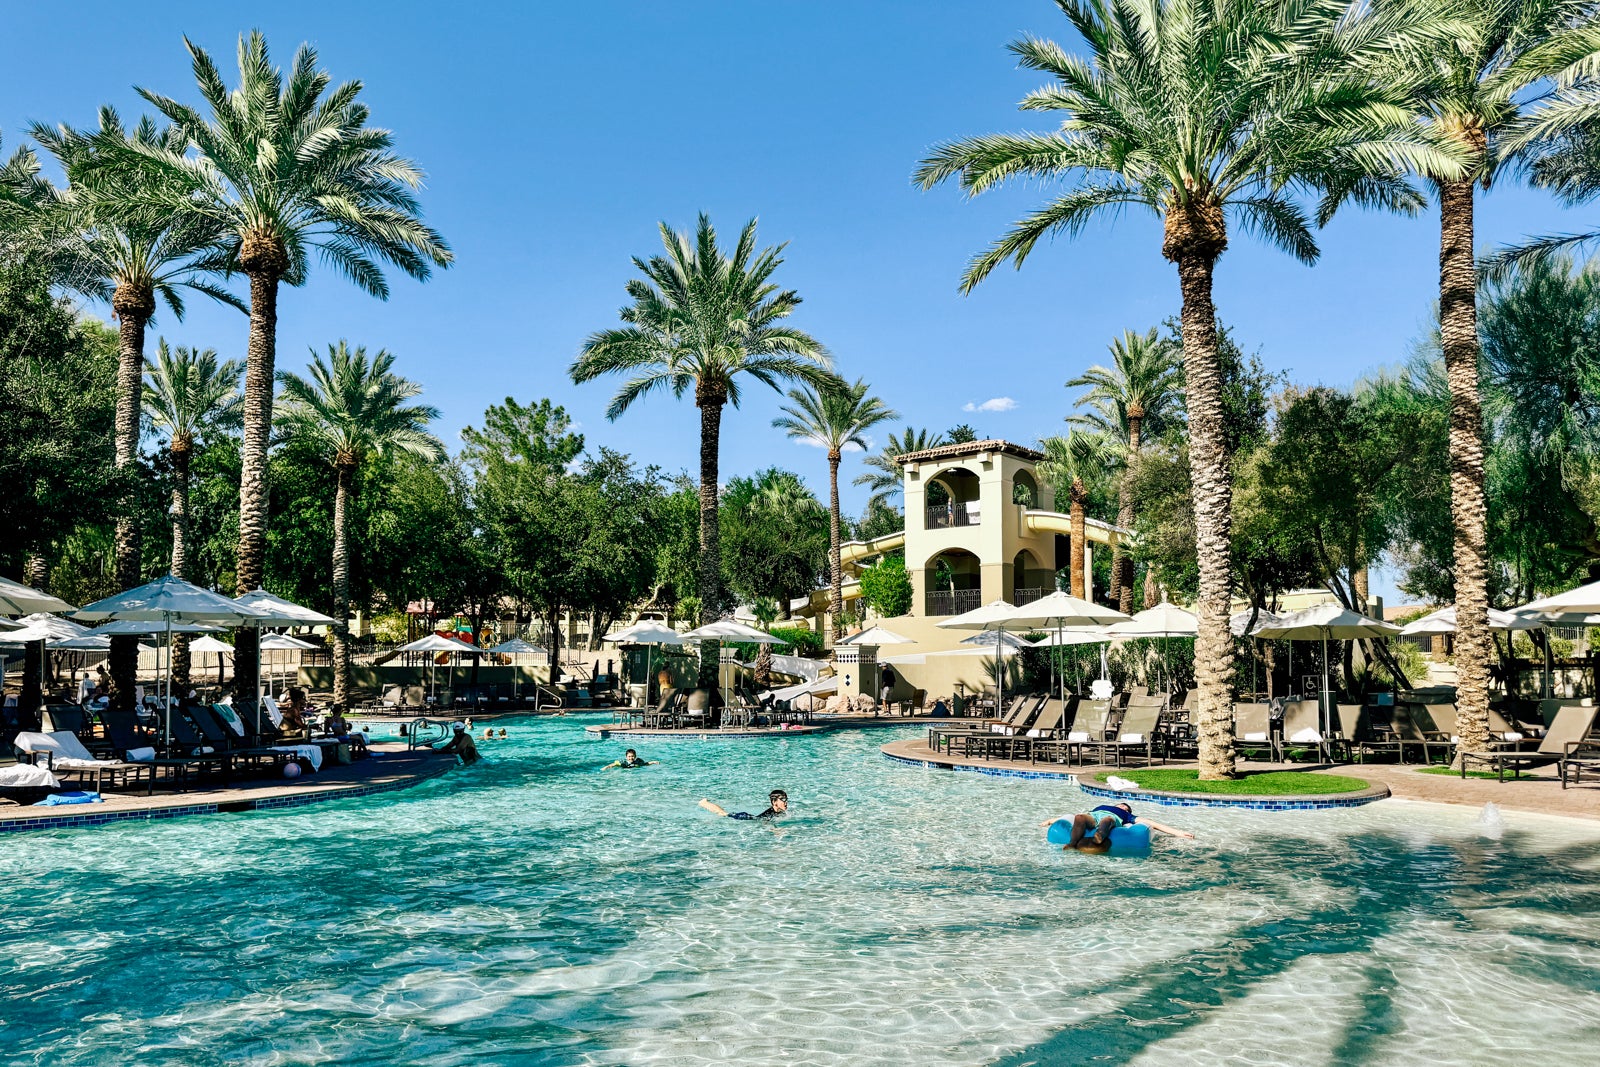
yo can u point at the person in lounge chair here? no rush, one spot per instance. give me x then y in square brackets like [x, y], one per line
[294, 714]
[778, 805]
[461, 744]
[1091, 830]
[630, 759]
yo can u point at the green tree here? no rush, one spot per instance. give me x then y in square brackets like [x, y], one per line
[1142, 387]
[1480, 90]
[350, 408]
[883, 477]
[960, 434]
[540, 435]
[284, 167]
[775, 538]
[1076, 463]
[886, 588]
[834, 418]
[1197, 110]
[188, 394]
[705, 319]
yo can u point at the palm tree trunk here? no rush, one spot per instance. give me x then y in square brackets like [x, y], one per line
[1458, 328]
[1121, 562]
[835, 576]
[710, 401]
[133, 306]
[341, 585]
[261, 356]
[180, 554]
[1080, 531]
[1213, 502]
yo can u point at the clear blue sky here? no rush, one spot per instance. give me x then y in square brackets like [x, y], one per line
[556, 136]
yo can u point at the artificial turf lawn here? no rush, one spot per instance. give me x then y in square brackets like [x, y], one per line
[1260, 784]
[1455, 773]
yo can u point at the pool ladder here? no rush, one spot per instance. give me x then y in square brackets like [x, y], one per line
[423, 733]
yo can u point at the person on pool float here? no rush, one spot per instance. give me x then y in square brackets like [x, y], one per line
[778, 802]
[1091, 830]
[461, 744]
[630, 759]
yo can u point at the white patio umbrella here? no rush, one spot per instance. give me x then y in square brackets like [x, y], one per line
[1240, 623]
[44, 628]
[732, 630]
[149, 629]
[1443, 621]
[281, 643]
[651, 635]
[209, 645]
[1330, 621]
[517, 647]
[19, 599]
[1162, 622]
[995, 617]
[1584, 600]
[877, 635]
[435, 643]
[270, 610]
[170, 601]
[1063, 612]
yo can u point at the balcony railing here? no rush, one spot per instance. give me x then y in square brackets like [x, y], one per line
[953, 601]
[1020, 597]
[944, 516]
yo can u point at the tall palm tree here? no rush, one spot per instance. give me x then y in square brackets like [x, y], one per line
[1493, 87]
[705, 319]
[1077, 463]
[833, 417]
[284, 167]
[352, 407]
[883, 477]
[135, 255]
[1142, 388]
[188, 393]
[1202, 110]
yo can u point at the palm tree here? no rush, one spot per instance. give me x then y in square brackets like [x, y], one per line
[883, 477]
[352, 408]
[284, 167]
[833, 417]
[188, 393]
[1077, 463]
[1492, 88]
[705, 319]
[1199, 110]
[1141, 389]
[134, 256]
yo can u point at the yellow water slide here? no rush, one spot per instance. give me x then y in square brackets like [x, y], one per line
[852, 553]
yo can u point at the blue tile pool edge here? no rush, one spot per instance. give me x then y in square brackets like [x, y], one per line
[1173, 800]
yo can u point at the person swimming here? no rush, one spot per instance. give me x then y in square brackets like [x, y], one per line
[1091, 830]
[778, 805]
[630, 759]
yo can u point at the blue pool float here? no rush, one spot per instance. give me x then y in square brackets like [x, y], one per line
[1124, 839]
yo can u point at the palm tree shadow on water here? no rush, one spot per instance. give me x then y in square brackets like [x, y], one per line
[1388, 883]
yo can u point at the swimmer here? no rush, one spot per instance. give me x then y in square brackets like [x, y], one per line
[1091, 830]
[488, 734]
[503, 734]
[777, 799]
[630, 759]
[461, 744]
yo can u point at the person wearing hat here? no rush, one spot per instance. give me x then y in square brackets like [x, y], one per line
[461, 743]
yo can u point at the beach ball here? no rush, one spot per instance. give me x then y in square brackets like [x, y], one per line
[291, 770]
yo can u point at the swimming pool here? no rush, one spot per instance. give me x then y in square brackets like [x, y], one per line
[535, 910]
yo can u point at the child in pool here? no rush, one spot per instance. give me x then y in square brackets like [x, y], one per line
[630, 759]
[778, 805]
[1091, 830]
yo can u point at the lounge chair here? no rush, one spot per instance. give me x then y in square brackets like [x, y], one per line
[1302, 726]
[65, 755]
[661, 715]
[1087, 726]
[1414, 728]
[697, 709]
[1568, 735]
[1252, 730]
[1135, 735]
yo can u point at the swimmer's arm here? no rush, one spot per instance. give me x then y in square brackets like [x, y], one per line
[607, 767]
[1160, 829]
[1059, 818]
[713, 808]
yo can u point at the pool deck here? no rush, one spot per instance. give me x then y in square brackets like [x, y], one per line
[393, 767]
[1540, 793]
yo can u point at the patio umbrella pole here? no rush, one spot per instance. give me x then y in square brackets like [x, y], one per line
[166, 705]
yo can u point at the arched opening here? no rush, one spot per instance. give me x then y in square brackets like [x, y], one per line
[1030, 579]
[1025, 490]
[952, 499]
[954, 580]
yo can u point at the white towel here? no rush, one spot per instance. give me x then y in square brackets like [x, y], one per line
[27, 776]
[1308, 736]
[1122, 784]
[1259, 735]
[1078, 736]
[1131, 739]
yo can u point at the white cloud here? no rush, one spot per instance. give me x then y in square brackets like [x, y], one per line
[994, 403]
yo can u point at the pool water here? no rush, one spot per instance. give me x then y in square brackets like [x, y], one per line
[534, 909]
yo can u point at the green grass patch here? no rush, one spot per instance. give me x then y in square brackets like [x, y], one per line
[1260, 784]
[1455, 773]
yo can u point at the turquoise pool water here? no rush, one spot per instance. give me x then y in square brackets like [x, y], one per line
[534, 910]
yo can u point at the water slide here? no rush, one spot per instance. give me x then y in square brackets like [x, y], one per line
[853, 552]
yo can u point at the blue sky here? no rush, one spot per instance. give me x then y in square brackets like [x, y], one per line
[556, 136]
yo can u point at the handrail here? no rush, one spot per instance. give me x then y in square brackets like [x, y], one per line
[414, 738]
[540, 692]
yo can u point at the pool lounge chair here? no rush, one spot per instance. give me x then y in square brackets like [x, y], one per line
[1302, 727]
[1569, 738]
[1135, 738]
[65, 755]
[1252, 730]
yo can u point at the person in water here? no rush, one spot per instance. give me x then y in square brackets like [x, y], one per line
[1091, 830]
[630, 759]
[777, 801]
[461, 744]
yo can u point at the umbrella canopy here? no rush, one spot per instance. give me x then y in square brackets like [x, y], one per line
[1163, 620]
[7, 624]
[1003, 638]
[1239, 621]
[19, 599]
[85, 642]
[1443, 621]
[829, 684]
[1330, 621]
[439, 643]
[282, 643]
[1062, 638]
[645, 633]
[1061, 611]
[732, 630]
[995, 615]
[877, 635]
[1584, 600]
[210, 644]
[169, 600]
[275, 611]
[140, 629]
[518, 647]
[43, 627]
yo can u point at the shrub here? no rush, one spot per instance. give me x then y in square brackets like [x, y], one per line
[886, 587]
